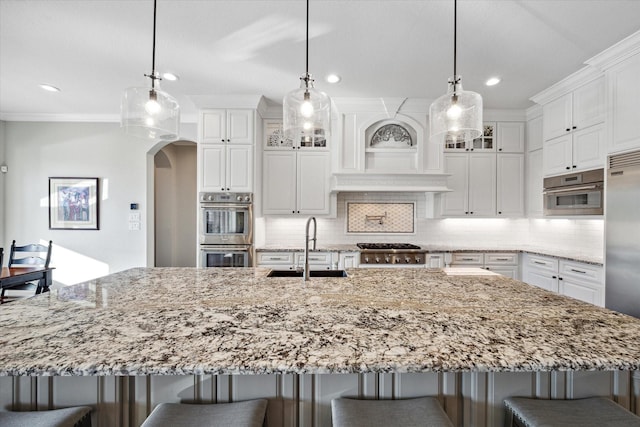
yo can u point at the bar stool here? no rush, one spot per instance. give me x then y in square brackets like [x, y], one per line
[418, 412]
[589, 412]
[77, 416]
[248, 413]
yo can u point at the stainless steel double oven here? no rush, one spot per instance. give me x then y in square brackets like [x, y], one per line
[226, 230]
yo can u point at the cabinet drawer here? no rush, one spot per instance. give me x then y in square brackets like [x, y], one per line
[501, 259]
[541, 263]
[471, 258]
[275, 258]
[315, 258]
[578, 270]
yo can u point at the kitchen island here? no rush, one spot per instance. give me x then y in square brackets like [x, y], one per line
[130, 340]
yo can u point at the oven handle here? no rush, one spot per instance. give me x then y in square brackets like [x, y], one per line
[225, 205]
[216, 248]
[572, 189]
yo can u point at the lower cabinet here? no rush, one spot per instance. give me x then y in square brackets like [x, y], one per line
[575, 279]
[434, 260]
[504, 263]
[348, 260]
[291, 260]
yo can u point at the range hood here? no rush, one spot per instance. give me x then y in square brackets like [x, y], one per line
[389, 182]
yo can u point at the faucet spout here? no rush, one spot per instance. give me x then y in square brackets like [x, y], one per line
[306, 244]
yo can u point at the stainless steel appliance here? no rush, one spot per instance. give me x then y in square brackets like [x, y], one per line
[391, 255]
[579, 193]
[622, 234]
[226, 229]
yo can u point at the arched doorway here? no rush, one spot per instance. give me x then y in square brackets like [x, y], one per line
[175, 205]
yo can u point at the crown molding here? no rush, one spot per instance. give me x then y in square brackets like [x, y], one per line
[533, 112]
[617, 53]
[568, 84]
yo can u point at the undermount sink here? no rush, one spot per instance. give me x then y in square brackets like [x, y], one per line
[312, 273]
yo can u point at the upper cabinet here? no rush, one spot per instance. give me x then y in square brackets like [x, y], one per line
[623, 83]
[575, 110]
[510, 137]
[502, 137]
[486, 142]
[225, 150]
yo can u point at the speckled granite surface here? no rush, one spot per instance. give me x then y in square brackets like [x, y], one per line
[185, 321]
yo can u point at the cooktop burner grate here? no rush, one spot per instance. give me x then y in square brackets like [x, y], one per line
[387, 246]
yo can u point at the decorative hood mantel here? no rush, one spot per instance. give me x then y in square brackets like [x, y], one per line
[389, 182]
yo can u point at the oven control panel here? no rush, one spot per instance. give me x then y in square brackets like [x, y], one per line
[226, 197]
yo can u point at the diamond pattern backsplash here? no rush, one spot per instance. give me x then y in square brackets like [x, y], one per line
[380, 217]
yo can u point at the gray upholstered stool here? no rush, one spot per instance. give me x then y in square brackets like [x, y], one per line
[590, 412]
[422, 411]
[249, 413]
[77, 416]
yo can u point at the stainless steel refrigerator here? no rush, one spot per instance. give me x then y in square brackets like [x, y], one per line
[622, 234]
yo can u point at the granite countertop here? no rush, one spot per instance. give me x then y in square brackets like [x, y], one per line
[168, 321]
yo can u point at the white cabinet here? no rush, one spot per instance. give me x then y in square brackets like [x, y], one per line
[296, 182]
[575, 110]
[510, 182]
[504, 263]
[623, 87]
[581, 281]
[473, 181]
[510, 137]
[348, 260]
[486, 142]
[580, 150]
[227, 126]
[225, 150]
[279, 260]
[534, 134]
[535, 180]
[571, 278]
[317, 260]
[434, 260]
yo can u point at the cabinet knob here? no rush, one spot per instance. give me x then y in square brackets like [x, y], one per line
[222, 140]
[499, 149]
[567, 168]
[293, 211]
[222, 189]
[471, 213]
[559, 278]
[568, 129]
[466, 213]
[466, 149]
[554, 277]
[228, 189]
[499, 213]
[573, 127]
[574, 166]
[471, 149]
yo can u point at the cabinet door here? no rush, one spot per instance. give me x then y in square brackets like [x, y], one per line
[510, 137]
[434, 260]
[557, 116]
[506, 271]
[212, 158]
[349, 260]
[557, 155]
[534, 183]
[240, 168]
[240, 129]
[456, 202]
[279, 183]
[624, 103]
[588, 148]
[510, 179]
[534, 134]
[313, 183]
[541, 279]
[588, 104]
[583, 291]
[482, 184]
[213, 126]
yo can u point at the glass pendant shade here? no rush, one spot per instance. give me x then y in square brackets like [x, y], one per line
[307, 115]
[150, 113]
[456, 115]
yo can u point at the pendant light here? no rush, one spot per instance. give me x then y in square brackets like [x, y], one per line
[306, 110]
[458, 114]
[150, 112]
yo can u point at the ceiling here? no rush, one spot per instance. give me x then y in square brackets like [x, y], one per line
[93, 49]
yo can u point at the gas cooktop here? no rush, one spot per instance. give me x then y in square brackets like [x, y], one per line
[387, 246]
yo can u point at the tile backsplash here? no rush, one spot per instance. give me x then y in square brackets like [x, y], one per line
[385, 218]
[582, 236]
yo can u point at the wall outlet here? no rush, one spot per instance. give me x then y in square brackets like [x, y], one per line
[134, 226]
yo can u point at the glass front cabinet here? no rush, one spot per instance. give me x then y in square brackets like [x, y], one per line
[486, 142]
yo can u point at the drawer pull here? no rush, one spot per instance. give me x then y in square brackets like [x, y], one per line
[467, 259]
[503, 259]
[540, 262]
[276, 258]
[578, 271]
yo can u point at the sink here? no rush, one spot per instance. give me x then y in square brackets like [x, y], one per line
[312, 273]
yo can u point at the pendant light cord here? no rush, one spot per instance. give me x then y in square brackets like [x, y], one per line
[455, 44]
[153, 76]
[307, 47]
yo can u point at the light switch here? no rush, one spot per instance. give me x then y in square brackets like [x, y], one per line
[134, 226]
[134, 216]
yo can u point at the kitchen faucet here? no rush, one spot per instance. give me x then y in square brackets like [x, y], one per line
[306, 245]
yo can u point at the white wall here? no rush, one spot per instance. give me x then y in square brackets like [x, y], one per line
[581, 237]
[35, 151]
[2, 188]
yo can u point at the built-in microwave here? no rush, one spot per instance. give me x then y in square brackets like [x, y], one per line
[579, 193]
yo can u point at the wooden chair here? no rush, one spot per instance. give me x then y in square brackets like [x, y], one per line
[31, 255]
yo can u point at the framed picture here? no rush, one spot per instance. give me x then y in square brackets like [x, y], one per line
[73, 204]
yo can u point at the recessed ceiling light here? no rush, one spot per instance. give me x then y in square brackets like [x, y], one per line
[333, 78]
[49, 87]
[493, 81]
[170, 76]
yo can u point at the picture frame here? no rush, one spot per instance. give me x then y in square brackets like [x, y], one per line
[74, 203]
